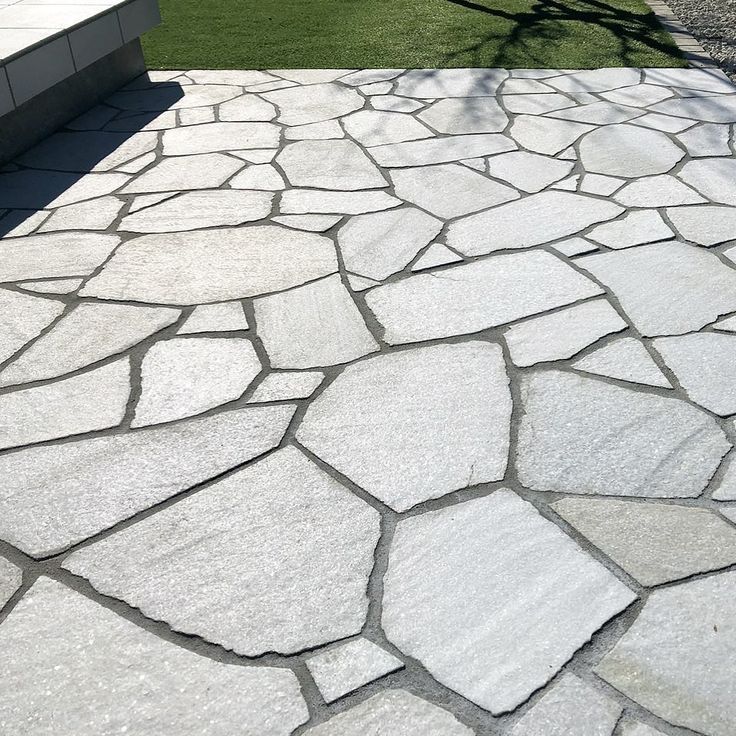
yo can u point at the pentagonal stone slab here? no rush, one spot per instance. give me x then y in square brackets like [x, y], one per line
[676, 660]
[291, 547]
[580, 435]
[201, 171]
[493, 599]
[74, 667]
[417, 424]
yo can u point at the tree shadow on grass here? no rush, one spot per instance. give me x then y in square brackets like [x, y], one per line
[548, 21]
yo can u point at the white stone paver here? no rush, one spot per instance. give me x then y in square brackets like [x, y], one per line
[388, 293]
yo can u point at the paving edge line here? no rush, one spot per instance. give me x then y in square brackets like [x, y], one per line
[693, 52]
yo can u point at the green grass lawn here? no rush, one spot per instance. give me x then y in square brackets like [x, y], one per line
[257, 34]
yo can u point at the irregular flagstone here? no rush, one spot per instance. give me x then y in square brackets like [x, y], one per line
[240, 77]
[312, 223]
[728, 324]
[637, 728]
[196, 116]
[570, 708]
[528, 171]
[23, 317]
[719, 109]
[714, 178]
[429, 83]
[202, 171]
[74, 667]
[581, 435]
[709, 139]
[195, 210]
[35, 189]
[346, 667]
[269, 86]
[530, 598]
[369, 76]
[260, 176]
[598, 113]
[522, 86]
[317, 201]
[213, 265]
[478, 164]
[666, 123]
[710, 80]
[657, 191]
[391, 103]
[374, 128]
[311, 76]
[223, 317]
[47, 508]
[686, 287]
[725, 489]
[653, 542]
[634, 228]
[546, 135]
[312, 325]
[392, 711]
[131, 123]
[85, 335]
[315, 103]
[89, 186]
[571, 184]
[292, 567]
[53, 286]
[440, 150]
[704, 366]
[246, 108]
[435, 255]
[184, 377]
[574, 246]
[257, 155]
[415, 425]
[329, 165]
[21, 222]
[533, 220]
[638, 95]
[629, 151]
[675, 659]
[146, 200]
[596, 80]
[706, 225]
[470, 115]
[536, 104]
[599, 184]
[286, 386]
[173, 97]
[562, 334]
[379, 244]
[361, 283]
[85, 403]
[449, 190]
[96, 214]
[626, 359]
[219, 137]
[314, 131]
[475, 296]
[11, 578]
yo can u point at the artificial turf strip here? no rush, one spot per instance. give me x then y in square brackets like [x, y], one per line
[258, 34]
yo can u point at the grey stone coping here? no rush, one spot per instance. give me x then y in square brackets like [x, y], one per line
[42, 44]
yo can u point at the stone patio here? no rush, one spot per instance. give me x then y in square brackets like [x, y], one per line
[372, 403]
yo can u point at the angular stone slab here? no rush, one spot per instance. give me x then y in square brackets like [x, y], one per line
[458, 115]
[375, 128]
[429, 83]
[213, 137]
[634, 228]
[313, 325]
[662, 190]
[546, 135]
[287, 386]
[315, 103]
[475, 296]
[440, 150]
[291, 546]
[259, 176]
[570, 708]
[528, 171]
[654, 542]
[710, 110]
[530, 598]
[595, 80]
[88, 333]
[581, 435]
[11, 578]
[393, 711]
[23, 317]
[74, 667]
[213, 265]
[56, 496]
[714, 178]
[708, 225]
[347, 667]
[316, 201]
[223, 317]
[676, 658]
[415, 425]
[530, 221]
[686, 287]
[173, 97]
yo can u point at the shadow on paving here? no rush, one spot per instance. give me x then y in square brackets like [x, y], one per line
[54, 165]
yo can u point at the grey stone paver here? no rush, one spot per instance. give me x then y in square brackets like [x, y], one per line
[352, 304]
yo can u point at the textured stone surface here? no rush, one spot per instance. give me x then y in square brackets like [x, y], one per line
[23, 317]
[213, 137]
[213, 265]
[184, 377]
[528, 171]
[202, 171]
[430, 83]
[316, 201]
[72, 667]
[654, 542]
[634, 228]
[662, 190]
[580, 435]
[570, 708]
[398, 711]
[312, 325]
[292, 567]
[465, 115]
[435, 255]
[374, 128]
[287, 385]
[530, 598]
[11, 578]
[440, 150]
[46, 508]
[704, 225]
[714, 178]
[315, 103]
[223, 317]
[475, 296]
[562, 334]
[417, 424]
[346, 667]
[675, 659]
[546, 135]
